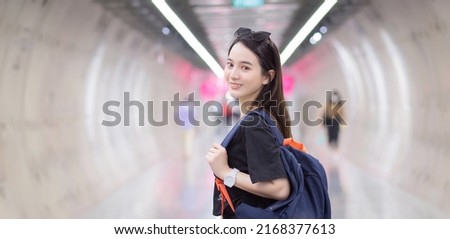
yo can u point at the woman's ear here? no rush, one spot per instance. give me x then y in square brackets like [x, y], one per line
[269, 77]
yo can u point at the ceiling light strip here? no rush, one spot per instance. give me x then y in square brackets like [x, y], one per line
[184, 31]
[306, 29]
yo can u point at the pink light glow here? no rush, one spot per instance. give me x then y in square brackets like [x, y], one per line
[212, 88]
[184, 70]
[288, 84]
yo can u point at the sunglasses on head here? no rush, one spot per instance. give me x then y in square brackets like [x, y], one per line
[243, 32]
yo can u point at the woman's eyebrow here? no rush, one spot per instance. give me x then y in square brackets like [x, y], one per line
[242, 62]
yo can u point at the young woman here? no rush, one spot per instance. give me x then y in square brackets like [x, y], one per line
[252, 159]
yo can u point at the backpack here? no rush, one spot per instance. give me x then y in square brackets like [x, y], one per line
[309, 188]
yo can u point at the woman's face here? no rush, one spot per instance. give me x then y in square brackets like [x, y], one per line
[243, 74]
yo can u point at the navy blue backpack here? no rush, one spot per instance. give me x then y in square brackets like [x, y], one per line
[309, 188]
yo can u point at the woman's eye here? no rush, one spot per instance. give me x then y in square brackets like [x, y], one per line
[245, 68]
[229, 64]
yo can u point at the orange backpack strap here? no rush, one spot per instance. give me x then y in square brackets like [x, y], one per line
[294, 144]
[225, 196]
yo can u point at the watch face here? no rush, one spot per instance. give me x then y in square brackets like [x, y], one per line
[228, 181]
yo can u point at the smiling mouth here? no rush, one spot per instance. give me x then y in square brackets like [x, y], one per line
[235, 86]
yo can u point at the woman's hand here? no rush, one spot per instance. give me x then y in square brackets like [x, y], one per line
[218, 160]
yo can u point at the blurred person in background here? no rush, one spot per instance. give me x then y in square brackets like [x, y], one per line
[333, 117]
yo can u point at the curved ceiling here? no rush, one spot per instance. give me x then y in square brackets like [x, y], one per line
[214, 22]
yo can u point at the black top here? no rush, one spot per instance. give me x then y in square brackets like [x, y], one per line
[254, 151]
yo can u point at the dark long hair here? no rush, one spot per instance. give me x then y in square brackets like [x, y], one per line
[271, 97]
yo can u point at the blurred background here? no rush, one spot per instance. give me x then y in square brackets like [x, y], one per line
[88, 124]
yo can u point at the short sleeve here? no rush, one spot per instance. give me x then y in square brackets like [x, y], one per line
[263, 152]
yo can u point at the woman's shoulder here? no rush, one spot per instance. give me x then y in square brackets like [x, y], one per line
[254, 120]
[255, 128]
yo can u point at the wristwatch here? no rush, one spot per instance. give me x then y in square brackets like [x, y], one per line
[230, 179]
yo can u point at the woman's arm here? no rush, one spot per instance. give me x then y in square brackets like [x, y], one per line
[277, 189]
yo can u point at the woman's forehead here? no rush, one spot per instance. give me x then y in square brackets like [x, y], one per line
[240, 53]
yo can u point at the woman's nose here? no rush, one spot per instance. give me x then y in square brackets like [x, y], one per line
[234, 74]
